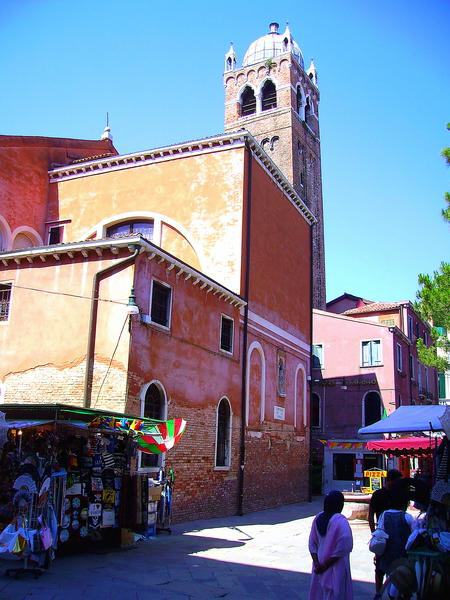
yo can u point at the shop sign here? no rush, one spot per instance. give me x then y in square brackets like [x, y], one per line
[344, 382]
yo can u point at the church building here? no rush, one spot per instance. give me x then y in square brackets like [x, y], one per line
[213, 240]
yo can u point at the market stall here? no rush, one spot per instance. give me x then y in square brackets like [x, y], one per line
[427, 569]
[68, 480]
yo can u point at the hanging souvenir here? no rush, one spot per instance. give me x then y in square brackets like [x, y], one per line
[83, 531]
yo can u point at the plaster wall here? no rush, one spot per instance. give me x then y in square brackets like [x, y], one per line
[202, 194]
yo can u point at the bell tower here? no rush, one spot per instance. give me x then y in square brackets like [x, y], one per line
[277, 101]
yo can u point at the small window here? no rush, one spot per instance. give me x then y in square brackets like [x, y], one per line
[5, 301]
[223, 434]
[161, 304]
[248, 102]
[268, 96]
[265, 144]
[144, 227]
[419, 376]
[410, 327]
[344, 467]
[426, 379]
[315, 411]
[55, 234]
[226, 334]
[417, 329]
[317, 356]
[399, 358]
[371, 353]
[411, 366]
[425, 338]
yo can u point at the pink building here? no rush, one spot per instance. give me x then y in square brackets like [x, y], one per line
[365, 366]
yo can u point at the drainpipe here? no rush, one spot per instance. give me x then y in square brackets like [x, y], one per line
[311, 299]
[99, 275]
[245, 336]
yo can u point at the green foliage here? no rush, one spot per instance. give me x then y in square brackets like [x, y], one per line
[433, 304]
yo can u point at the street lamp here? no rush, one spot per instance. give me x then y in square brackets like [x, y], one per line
[132, 307]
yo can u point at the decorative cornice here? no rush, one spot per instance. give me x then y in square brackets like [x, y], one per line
[212, 144]
[95, 248]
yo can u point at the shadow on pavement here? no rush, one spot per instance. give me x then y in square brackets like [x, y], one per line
[272, 516]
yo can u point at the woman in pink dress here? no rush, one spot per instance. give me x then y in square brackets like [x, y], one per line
[330, 544]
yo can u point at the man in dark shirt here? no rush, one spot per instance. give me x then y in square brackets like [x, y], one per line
[381, 500]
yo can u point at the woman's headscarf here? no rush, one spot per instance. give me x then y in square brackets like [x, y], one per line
[332, 504]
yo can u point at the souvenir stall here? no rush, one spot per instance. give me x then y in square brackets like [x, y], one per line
[426, 571]
[68, 480]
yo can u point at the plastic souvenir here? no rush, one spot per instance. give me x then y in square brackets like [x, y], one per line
[65, 521]
[75, 524]
[76, 503]
[64, 535]
[83, 531]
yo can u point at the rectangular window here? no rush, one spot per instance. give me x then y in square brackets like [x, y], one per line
[399, 358]
[441, 380]
[425, 338]
[419, 376]
[411, 367]
[317, 356]
[426, 380]
[371, 353]
[226, 334]
[55, 234]
[417, 329]
[410, 327]
[343, 467]
[5, 301]
[161, 304]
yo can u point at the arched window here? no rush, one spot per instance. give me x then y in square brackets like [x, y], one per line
[248, 102]
[274, 142]
[307, 108]
[2, 240]
[265, 144]
[223, 434]
[229, 63]
[285, 44]
[125, 228]
[299, 99]
[154, 407]
[315, 410]
[371, 408]
[268, 96]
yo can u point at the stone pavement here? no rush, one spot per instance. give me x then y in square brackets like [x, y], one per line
[260, 555]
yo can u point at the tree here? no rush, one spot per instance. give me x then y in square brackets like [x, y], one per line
[433, 304]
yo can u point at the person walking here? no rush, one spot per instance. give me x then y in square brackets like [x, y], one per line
[380, 501]
[330, 544]
[398, 525]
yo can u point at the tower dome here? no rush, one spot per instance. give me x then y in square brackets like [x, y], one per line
[271, 45]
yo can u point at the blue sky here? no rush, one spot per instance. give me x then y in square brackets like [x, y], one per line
[157, 68]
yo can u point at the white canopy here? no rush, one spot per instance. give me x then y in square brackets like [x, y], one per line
[408, 419]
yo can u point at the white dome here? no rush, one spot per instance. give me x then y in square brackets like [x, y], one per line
[271, 45]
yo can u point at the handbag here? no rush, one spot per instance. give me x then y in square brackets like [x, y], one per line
[377, 543]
